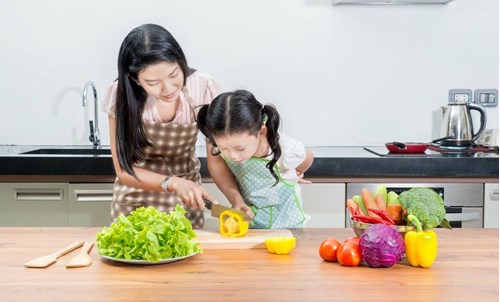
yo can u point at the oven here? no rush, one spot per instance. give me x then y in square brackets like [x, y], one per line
[463, 201]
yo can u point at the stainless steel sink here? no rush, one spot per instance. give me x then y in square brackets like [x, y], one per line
[70, 151]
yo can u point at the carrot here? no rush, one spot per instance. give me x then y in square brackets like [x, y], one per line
[379, 199]
[395, 212]
[369, 202]
[351, 206]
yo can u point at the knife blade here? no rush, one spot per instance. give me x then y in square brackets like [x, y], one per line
[216, 209]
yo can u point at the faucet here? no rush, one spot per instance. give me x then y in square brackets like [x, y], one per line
[94, 131]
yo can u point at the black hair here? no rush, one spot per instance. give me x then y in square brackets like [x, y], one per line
[145, 45]
[240, 112]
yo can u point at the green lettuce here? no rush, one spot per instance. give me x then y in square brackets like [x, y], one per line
[149, 234]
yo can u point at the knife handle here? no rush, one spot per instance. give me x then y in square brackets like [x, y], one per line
[208, 204]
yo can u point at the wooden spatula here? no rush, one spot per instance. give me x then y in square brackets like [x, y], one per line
[45, 261]
[82, 258]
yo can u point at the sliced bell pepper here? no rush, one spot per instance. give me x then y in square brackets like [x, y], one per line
[420, 246]
[231, 224]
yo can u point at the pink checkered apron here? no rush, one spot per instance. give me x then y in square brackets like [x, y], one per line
[172, 153]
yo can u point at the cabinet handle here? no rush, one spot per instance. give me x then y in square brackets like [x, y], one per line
[93, 195]
[494, 194]
[38, 194]
[462, 216]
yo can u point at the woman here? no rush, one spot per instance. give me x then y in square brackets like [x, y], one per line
[152, 125]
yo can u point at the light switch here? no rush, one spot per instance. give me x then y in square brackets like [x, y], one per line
[486, 97]
[459, 96]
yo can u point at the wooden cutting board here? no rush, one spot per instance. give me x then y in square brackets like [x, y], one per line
[254, 239]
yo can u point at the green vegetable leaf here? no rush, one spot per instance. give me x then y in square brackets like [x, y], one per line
[382, 190]
[392, 198]
[445, 224]
[359, 201]
[149, 234]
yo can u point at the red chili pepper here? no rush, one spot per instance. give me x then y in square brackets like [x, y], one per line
[383, 215]
[369, 219]
[357, 211]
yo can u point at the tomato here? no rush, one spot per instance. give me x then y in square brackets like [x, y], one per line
[354, 239]
[328, 249]
[349, 253]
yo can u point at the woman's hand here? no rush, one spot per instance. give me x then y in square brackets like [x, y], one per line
[192, 194]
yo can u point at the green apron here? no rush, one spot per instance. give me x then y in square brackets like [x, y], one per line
[274, 206]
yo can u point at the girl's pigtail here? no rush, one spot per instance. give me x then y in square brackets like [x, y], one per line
[271, 119]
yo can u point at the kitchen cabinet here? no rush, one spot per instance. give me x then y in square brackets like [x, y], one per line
[90, 204]
[33, 204]
[491, 208]
[324, 202]
[55, 204]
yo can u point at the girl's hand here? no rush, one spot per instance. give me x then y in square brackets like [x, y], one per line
[191, 193]
[242, 206]
[301, 178]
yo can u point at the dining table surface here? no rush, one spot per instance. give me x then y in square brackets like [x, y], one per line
[466, 269]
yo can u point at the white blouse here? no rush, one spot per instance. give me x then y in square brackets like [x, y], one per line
[200, 89]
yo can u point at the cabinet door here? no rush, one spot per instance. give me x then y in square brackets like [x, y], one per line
[90, 204]
[34, 204]
[324, 202]
[491, 205]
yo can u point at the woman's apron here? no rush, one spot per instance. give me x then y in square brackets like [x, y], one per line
[173, 154]
[274, 207]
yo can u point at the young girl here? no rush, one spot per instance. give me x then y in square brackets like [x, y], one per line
[265, 166]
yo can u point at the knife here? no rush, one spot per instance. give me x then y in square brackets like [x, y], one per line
[216, 209]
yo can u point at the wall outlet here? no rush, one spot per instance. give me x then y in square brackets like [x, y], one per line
[486, 97]
[460, 96]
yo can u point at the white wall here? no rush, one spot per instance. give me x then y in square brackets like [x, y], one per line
[339, 75]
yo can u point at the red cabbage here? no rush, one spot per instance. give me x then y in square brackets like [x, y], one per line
[381, 246]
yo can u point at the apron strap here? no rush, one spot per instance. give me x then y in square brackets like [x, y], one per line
[190, 100]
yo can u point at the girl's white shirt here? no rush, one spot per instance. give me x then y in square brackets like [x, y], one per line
[293, 154]
[200, 87]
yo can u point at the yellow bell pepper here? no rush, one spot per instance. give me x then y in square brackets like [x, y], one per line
[420, 246]
[280, 245]
[231, 224]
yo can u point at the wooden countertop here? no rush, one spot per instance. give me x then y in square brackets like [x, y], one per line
[466, 270]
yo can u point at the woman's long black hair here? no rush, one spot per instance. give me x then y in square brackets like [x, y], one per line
[240, 112]
[145, 45]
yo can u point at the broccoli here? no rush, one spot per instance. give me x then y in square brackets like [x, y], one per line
[426, 205]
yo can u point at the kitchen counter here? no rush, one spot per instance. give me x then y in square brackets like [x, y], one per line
[330, 162]
[466, 270]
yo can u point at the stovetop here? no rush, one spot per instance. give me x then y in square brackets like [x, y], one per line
[436, 151]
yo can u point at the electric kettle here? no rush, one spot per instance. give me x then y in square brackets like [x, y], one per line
[457, 127]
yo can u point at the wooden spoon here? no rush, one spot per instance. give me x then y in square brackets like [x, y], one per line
[45, 261]
[82, 258]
